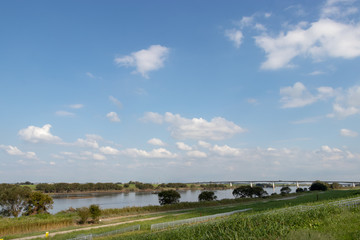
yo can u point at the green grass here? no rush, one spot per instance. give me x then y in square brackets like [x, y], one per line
[320, 223]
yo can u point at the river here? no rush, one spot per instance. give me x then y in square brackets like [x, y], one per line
[120, 200]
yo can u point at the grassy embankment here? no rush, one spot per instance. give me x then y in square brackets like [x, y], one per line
[10, 228]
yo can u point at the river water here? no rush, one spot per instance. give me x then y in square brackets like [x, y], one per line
[120, 200]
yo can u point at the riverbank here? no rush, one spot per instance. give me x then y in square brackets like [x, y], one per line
[36, 225]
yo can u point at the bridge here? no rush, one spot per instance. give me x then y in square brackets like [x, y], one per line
[274, 182]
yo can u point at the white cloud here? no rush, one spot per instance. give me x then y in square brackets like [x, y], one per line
[321, 39]
[90, 141]
[14, 151]
[113, 117]
[152, 117]
[328, 149]
[204, 144]
[98, 157]
[347, 103]
[115, 101]
[76, 106]
[86, 155]
[196, 154]
[183, 146]
[145, 60]
[235, 36]
[348, 133]
[338, 9]
[64, 113]
[109, 150]
[38, 134]
[246, 21]
[299, 96]
[155, 153]
[198, 128]
[226, 151]
[156, 142]
[296, 96]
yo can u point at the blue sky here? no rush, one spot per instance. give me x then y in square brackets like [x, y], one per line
[179, 91]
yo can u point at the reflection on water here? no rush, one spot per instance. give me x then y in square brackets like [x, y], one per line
[120, 200]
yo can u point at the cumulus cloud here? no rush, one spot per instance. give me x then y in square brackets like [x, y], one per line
[235, 36]
[299, 96]
[87, 142]
[318, 40]
[348, 133]
[183, 146]
[156, 142]
[204, 144]
[39, 134]
[109, 150]
[196, 128]
[155, 153]
[145, 60]
[113, 117]
[226, 151]
[14, 151]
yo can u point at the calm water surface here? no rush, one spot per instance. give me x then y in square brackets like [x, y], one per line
[120, 200]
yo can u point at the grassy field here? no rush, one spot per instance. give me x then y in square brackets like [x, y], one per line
[24, 226]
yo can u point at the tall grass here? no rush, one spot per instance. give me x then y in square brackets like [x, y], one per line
[36, 223]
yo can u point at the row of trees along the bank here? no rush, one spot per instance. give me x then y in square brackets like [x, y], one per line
[74, 187]
[16, 200]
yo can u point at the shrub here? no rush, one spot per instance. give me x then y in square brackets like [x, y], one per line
[285, 190]
[95, 212]
[84, 214]
[318, 186]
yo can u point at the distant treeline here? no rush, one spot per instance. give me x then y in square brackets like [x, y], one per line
[76, 187]
[213, 186]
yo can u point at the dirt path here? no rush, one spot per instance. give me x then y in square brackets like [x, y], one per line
[87, 228]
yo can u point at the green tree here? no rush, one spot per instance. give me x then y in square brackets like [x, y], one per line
[285, 190]
[13, 199]
[38, 203]
[249, 192]
[318, 186]
[207, 196]
[168, 197]
[95, 212]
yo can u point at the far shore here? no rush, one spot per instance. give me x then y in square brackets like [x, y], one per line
[155, 191]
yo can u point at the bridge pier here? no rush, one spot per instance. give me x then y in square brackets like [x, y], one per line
[230, 184]
[273, 184]
[297, 185]
[251, 184]
[353, 184]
